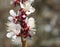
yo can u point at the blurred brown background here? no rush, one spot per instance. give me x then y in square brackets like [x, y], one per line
[47, 16]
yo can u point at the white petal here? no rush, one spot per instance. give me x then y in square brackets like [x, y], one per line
[14, 37]
[31, 1]
[12, 12]
[32, 9]
[9, 35]
[22, 6]
[11, 2]
[28, 12]
[31, 22]
[16, 41]
[10, 18]
[26, 20]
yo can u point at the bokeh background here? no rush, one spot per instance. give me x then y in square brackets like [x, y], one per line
[47, 17]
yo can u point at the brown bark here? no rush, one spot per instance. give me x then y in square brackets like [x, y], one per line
[24, 44]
